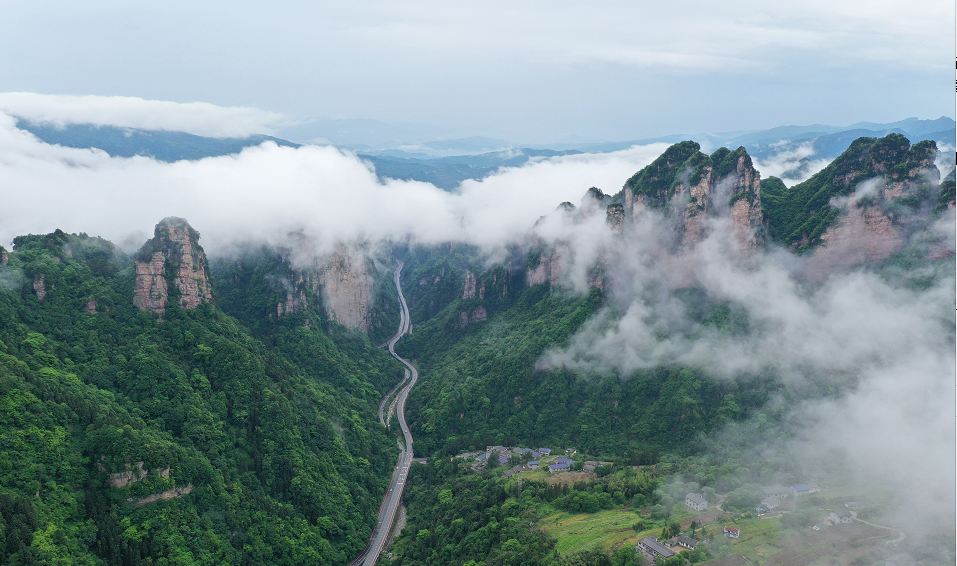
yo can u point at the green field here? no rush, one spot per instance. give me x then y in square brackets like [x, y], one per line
[607, 530]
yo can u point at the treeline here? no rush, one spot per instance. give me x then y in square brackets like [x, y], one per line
[126, 438]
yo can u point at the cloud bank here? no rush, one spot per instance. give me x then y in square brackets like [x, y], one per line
[870, 358]
[267, 192]
[199, 118]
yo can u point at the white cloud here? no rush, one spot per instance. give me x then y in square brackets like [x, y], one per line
[266, 192]
[199, 118]
[872, 359]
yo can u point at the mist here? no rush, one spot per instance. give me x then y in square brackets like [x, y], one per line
[868, 353]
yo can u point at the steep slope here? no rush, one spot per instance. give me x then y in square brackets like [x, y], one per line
[878, 184]
[689, 186]
[135, 438]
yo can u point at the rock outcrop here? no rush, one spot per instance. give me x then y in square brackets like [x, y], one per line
[172, 262]
[471, 281]
[689, 186]
[347, 284]
[39, 287]
[343, 281]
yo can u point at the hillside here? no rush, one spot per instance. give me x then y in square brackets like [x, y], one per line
[134, 437]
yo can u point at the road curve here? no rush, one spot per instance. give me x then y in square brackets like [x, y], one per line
[392, 499]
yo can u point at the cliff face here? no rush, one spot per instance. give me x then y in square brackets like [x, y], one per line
[347, 281]
[689, 186]
[888, 175]
[172, 260]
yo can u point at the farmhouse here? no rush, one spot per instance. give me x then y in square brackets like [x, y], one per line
[556, 468]
[696, 501]
[687, 542]
[840, 516]
[651, 547]
[533, 465]
[733, 532]
[778, 491]
[800, 489]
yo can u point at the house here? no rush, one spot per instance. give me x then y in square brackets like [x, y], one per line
[687, 542]
[536, 454]
[481, 457]
[769, 504]
[800, 489]
[503, 460]
[561, 460]
[840, 516]
[654, 549]
[733, 532]
[592, 465]
[696, 501]
[853, 505]
[544, 451]
[555, 468]
[524, 451]
[513, 470]
[533, 465]
[778, 491]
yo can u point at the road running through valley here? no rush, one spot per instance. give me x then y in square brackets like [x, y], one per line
[393, 498]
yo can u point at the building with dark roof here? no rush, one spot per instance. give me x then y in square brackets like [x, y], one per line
[685, 541]
[800, 489]
[554, 468]
[653, 548]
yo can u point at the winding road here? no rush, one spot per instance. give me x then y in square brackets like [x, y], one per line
[392, 499]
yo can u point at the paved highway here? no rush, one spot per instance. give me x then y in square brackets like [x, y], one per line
[392, 499]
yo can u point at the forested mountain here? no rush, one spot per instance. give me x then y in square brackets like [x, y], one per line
[166, 408]
[132, 437]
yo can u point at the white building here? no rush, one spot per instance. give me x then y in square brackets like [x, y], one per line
[696, 501]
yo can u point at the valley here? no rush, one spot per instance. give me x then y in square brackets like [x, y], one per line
[668, 363]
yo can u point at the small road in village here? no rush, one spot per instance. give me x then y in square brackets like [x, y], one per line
[393, 498]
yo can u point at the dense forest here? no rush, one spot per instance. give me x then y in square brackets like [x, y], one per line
[263, 450]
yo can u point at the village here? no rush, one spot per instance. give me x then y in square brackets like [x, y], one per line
[527, 459]
[705, 524]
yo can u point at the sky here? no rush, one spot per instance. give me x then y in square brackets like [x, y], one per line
[532, 72]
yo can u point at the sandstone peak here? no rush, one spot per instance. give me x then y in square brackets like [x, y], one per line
[172, 263]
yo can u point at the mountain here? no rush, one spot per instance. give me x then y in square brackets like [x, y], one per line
[691, 329]
[142, 424]
[158, 144]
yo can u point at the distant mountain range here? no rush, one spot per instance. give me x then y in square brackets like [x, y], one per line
[447, 162]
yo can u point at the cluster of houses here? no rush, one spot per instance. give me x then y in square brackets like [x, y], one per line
[773, 495]
[530, 459]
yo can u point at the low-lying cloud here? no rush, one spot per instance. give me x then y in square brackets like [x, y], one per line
[871, 356]
[199, 118]
[268, 192]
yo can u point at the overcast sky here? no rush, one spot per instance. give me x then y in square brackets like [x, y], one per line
[524, 71]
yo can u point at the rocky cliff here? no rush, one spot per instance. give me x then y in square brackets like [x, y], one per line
[689, 186]
[172, 264]
[886, 175]
[346, 282]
